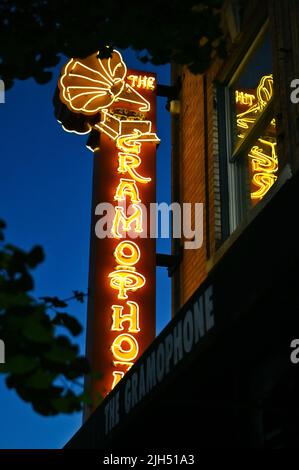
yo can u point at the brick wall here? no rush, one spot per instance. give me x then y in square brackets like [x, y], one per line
[198, 168]
[192, 173]
[284, 17]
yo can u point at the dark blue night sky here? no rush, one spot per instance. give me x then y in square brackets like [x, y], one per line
[46, 177]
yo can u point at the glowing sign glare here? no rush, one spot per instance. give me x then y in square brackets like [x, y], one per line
[127, 253]
[108, 99]
[118, 317]
[127, 187]
[263, 165]
[125, 280]
[125, 354]
[93, 84]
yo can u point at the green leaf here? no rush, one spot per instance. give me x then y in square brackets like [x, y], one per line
[77, 368]
[14, 299]
[20, 364]
[68, 403]
[54, 301]
[64, 342]
[69, 322]
[37, 354]
[2, 227]
[40, 379]
[79, 296]
[35, 256]
[60, 354]
[85, 397]
[37, 332]
[61, 405]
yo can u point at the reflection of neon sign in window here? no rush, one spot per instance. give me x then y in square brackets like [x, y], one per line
[244, 98]
[263, 156]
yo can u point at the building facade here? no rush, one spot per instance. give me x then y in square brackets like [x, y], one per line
[235, 147]
[220, 375]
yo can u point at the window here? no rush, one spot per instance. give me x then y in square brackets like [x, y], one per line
[250, 135]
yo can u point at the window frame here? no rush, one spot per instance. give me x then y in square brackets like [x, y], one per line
[235, 204]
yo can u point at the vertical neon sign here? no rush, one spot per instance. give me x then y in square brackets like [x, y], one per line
[120, 105]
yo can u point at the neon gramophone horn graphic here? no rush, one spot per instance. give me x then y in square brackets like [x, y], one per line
[90, 85]
[87, 90]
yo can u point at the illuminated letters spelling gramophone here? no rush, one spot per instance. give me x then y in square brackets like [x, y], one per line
[103, 98]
